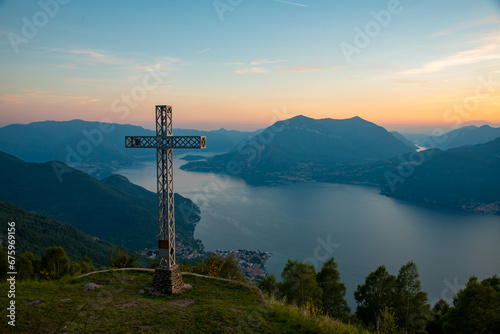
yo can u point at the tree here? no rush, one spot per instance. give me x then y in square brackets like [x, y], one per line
[210, 266]
[412, 311]
[476, 308]
[122, 260]
[435, 325]
[231, 269]
[74, 269]
[299, 284]
[388, 323]
[213, 265]
[25, 269]
[269, 285]
[55, 263]
[374, 295]
[86, 265]
[333, 299]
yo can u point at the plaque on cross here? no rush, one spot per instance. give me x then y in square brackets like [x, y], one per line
[165, 142]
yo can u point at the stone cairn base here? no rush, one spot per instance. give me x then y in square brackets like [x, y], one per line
[168, 280]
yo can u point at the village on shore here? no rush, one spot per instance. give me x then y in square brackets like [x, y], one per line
[251, 262]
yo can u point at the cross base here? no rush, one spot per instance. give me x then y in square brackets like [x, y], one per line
[168, 280]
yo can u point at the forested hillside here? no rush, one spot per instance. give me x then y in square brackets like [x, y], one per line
[35, 233]
[114, 210]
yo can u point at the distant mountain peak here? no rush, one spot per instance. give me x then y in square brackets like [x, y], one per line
[479, 123]
[306, 146]
[485, 127]
[327, 119]
[118, 177]
[300, 118]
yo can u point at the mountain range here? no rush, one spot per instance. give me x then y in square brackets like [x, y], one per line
[297, 149]
[112, 209]
[466, 178]
[467, 135]
[302, 148]
[93, 147]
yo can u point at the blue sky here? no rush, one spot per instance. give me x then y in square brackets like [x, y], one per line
[242, 64]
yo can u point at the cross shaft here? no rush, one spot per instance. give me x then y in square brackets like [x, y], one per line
[165, 142]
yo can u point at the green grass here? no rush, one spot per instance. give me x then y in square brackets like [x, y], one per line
[124, 305]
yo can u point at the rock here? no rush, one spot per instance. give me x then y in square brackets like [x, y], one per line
[92, 286]
[35, 303]
[64, 299]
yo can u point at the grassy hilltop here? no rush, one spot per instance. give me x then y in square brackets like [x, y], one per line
[124, 305]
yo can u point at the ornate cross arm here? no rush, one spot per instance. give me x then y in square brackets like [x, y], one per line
[165, 142]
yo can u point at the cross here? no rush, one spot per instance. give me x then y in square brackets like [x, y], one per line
[165, 142]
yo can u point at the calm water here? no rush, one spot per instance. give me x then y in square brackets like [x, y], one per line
[356, 225]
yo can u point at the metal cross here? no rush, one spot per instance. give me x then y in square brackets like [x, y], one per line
[165, 142]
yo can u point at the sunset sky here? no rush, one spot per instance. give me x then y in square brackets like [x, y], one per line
[243, 64]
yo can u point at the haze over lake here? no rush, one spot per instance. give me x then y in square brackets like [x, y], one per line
[359, 227]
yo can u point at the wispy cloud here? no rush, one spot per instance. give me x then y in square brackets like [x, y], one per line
[265, 61]
[291, 3]
[97, 57]
[254, 64]
[164, 64]
[253, 67]
[416, 82]
[258, 61]
[12, 99]
[479, 54]
[252, 70]
[74, 58]
[202, 51]
[296, 69]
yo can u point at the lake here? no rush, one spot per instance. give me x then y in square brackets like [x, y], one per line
[359, 227]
